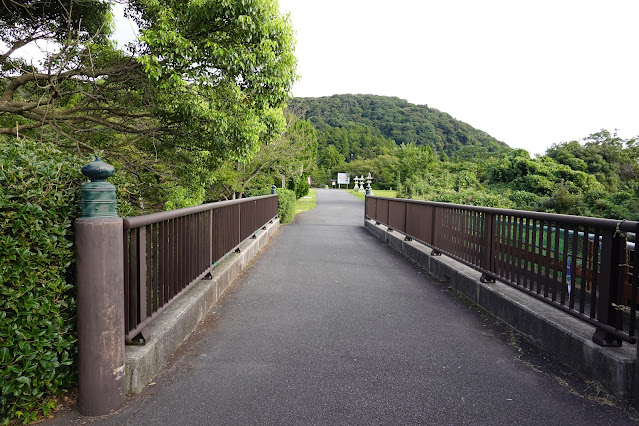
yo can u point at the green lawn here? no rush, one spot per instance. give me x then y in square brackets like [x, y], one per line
[376, 192]
[306, 203]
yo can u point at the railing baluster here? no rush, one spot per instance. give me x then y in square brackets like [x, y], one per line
[573, 265]
[133, 278]
[127, 261]
[547, 258]
[585, 267]
[142, 285]
[527, 249]
[489, 242]
[564, 268]
[535, 266]
[633, 292]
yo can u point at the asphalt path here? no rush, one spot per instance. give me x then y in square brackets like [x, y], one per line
[328, 326]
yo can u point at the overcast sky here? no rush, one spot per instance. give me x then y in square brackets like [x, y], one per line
[530, 73]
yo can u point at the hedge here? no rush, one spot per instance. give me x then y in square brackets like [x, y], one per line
[285, 204]
[39, 189]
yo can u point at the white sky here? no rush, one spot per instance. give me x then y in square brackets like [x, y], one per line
[530, 73]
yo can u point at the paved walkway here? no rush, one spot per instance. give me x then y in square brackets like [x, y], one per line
[330, 326]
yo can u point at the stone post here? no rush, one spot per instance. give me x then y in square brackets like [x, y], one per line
[100, 295]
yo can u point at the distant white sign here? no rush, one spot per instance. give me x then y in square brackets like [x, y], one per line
[343, 178]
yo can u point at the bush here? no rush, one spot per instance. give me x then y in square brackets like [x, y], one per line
[299, 185]
[523, 200]
[285, 205]
[39, 189]
[302, 189]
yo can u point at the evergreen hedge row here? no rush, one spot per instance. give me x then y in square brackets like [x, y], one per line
[39, 190]
[285, 205]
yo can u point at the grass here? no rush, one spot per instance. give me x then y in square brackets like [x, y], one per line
[306, 203]
[376, 192]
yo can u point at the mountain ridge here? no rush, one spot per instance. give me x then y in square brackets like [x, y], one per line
[396, 119]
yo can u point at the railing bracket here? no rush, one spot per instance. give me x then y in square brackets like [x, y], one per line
[263, 228]
[237, 250]
[139, 339]
[435, 253]
[377, 223]
[408, 239]
[485, 278]
[602, 338]
[208, 276]
[389, 229]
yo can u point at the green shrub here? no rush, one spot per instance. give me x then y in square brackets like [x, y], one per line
[39, 186]
[302, 188]
[299, 185]
[285, 205]
[523, 200]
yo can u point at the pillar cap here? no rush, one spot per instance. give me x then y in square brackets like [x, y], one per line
[98, 170]
[98, 198]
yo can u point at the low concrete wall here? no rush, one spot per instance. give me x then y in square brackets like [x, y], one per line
[170, 328]
[559, 334]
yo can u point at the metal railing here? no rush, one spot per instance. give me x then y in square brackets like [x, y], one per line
[580, 265]
[165, 253]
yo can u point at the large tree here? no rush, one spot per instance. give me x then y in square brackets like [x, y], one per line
[292, 155]
[205, 80]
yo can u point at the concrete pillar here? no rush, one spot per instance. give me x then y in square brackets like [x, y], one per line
[100, 295]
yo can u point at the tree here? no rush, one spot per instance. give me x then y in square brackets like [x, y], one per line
[292, 154]
[330, 157]
[205, 81]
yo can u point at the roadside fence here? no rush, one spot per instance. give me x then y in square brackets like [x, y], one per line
[583, 266]
[165, 253]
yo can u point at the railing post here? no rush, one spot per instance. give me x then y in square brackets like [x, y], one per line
[100, 297]
[489, 238]
[141, 255]
[613, 259]
[366, 206]
[434, 242]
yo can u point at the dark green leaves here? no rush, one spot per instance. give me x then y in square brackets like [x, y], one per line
[38, 189]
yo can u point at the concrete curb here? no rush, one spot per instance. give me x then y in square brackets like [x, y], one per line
[174, 324]
[564, 337]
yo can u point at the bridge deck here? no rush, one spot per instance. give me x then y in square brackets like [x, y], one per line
[330, 326]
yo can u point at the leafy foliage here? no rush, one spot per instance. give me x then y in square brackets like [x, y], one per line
[39, 186]
[597, 176]
[392, 119]
[285, 205]
[299, 186]
[205, 82]
[290, 156]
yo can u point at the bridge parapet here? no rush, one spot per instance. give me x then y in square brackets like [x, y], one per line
[129, 270]
[165, 253]
[580, 265]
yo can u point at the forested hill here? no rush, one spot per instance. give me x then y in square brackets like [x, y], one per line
[395, 119]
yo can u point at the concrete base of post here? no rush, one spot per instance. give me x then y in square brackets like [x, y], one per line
[100, 300]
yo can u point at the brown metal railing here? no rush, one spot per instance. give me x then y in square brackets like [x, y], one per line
[165, 253]
[580, 265]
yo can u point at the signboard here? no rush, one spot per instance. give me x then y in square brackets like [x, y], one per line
[343, 178]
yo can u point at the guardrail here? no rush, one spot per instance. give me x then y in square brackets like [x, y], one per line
[583, 266]
[167, 252]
